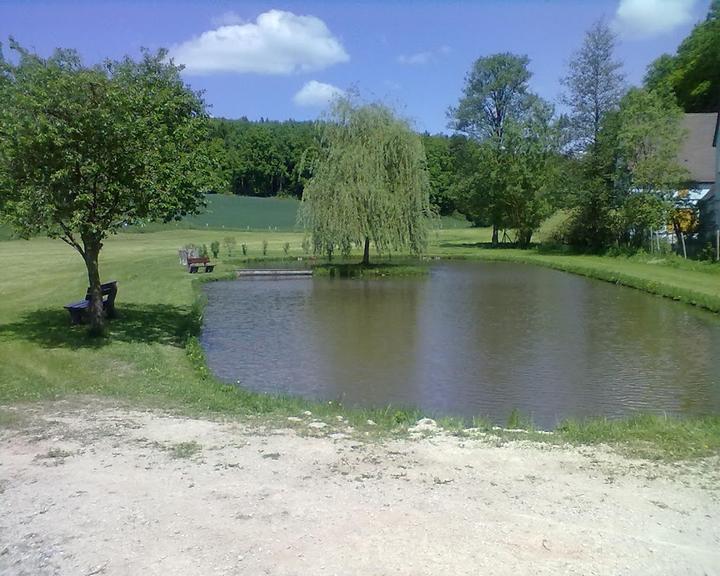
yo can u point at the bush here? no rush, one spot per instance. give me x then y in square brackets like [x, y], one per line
[230, 244]
[264, 247]
[204, 251]
[244, 248]
[215, 248]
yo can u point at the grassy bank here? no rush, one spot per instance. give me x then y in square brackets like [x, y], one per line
[151, 359]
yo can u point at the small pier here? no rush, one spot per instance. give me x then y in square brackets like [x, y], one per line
[272, 272]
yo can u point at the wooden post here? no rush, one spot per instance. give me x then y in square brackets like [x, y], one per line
[682, 240]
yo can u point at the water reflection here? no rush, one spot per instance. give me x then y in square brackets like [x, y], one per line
[472, 339]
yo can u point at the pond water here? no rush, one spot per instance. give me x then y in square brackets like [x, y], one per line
[471, 339]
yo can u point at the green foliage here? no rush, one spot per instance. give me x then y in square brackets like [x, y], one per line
[494, 94]
[648, 142]
[286, 248]
[230, 242]
[442, 173]
[215, 248]
[265, 158]
[369, 183]
[204, 251]
[508, 172]
[86, 151]
[264, 247]
[244, 249]
[693, 73]
[629, 177]
[594, 85]
[518, 420]
[89, 150]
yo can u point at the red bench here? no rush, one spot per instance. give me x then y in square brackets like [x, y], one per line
[194, 264]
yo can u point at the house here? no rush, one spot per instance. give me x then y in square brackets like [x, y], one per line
[701, 156]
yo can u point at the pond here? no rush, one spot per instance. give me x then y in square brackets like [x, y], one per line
[470, 339]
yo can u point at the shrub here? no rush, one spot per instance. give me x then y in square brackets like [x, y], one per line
[243, 246]
[264, 247]
[204, 251]
[230, 244]
[215, 248]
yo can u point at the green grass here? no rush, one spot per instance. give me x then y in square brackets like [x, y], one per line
[649, 436]
[151, 358]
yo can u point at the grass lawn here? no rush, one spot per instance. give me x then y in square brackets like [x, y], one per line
[150, 357]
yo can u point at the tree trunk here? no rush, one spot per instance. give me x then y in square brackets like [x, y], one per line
[366, 252]
[524, 238]
[495, 235]
[95, 310]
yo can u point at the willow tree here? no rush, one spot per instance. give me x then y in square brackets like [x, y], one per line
[369, 183]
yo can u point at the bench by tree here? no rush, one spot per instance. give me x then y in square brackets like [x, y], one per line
[79, 310]
[85, 151]
[194, 263]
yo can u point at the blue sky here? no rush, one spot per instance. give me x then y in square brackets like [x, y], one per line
[284, 60]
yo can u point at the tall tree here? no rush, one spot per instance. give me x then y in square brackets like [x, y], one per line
[631, 177]
[693, 73]
[594, 85]
[495, 95]
[369, 183]
[85, 151]
[649, 138]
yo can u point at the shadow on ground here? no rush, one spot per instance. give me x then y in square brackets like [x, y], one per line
[147, 323]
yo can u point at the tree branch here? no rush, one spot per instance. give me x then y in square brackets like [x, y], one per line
[69, 239]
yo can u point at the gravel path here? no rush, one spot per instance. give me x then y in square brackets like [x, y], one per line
[107, 490]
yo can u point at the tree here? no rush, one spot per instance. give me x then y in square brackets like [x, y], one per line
[531, 166]
[693, 73]
[649, 138]
[594, 84]
[507, 176]
[495, 95]
[369, 183]
[85, 151]
[631, 176]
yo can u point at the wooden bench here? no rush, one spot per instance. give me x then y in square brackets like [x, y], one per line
[194, 264]
[78, 309]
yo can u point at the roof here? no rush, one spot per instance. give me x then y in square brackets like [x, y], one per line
[696, 153]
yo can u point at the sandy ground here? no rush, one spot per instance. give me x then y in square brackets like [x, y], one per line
[106, 490]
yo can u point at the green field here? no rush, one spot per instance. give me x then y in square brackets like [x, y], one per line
[253, 214]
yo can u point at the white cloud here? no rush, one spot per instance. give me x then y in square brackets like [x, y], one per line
[277, 42]
[425, 57]
[644, 18]
[316, 94]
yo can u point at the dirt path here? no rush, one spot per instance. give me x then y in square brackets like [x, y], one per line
[110, 491]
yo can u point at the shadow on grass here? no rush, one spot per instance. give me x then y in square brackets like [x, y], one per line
[147, 323]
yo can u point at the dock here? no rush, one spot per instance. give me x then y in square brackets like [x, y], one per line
[273, 272]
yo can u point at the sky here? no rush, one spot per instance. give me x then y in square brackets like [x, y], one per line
[287, 59]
